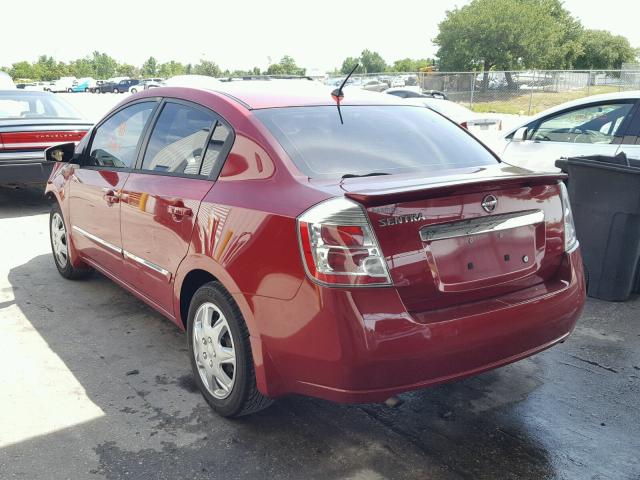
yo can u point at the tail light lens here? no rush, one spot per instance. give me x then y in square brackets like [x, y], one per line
[570, 239]
[464, 125]
[339, 247]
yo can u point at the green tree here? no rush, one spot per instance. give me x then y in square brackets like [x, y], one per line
[286, 66]
[171, 69]
[207, 67]
[369, 62]
[22, 70]
[127, 70]
[603, 50]
[82, 67]
[104, 65]
[372, 62]
[410, 65]
[508, 34]
[349, 63]
[149, 67]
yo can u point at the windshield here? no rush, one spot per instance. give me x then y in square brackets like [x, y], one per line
[15, 105]
[383, 139]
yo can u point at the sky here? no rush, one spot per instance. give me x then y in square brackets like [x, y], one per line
[241, 34]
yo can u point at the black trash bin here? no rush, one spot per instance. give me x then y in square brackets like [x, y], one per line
[605, 198]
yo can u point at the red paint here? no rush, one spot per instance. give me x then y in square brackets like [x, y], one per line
[438, 321]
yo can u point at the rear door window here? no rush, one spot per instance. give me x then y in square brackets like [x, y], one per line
[381, 139]
[179, 139]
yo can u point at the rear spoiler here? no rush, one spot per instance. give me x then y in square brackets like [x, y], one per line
[385, 196]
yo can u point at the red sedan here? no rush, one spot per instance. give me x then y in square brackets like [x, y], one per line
[347, 255]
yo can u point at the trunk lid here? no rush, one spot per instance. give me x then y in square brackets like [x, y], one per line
[444, 248]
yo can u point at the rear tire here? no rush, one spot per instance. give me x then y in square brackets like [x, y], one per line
[133, 90]
[60, 247]
[115, 90]
[221, 359]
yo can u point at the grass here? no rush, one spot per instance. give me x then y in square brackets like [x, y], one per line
[519, 105]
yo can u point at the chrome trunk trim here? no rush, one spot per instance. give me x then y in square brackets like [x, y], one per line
[479, 225]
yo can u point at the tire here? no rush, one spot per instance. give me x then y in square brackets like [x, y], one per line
[214, 313]
[86, 90]
[115, 90]
[133, 90]
[69, 90]
[58, 238]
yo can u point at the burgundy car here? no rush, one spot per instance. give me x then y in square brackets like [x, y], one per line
[349, 256]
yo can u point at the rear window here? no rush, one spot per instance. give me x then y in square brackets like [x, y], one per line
[16, 106]
[382, 139]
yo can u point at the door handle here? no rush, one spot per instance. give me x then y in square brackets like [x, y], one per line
[111, 196]
[179, 211]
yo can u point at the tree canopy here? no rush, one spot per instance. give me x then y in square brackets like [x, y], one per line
[508, 35]
[603, 50]
[286, 66]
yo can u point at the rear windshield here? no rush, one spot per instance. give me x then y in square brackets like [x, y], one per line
[373, 139]
[17, 105]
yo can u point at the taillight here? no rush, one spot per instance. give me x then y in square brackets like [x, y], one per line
[570, 239]
[40, 139]
[339, 247]
[464, 125]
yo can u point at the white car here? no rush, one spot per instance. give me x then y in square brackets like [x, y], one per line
[598, 125]
[472, 121]
[63, 84]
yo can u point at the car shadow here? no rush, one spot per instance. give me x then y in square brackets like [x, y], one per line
[132, 364]
[22, 201]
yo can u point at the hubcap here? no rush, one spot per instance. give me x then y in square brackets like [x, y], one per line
[214, 351]
[59, 239]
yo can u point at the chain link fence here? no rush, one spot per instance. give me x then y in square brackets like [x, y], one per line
[514, 92]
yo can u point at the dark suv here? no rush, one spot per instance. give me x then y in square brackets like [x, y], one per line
[120, 87]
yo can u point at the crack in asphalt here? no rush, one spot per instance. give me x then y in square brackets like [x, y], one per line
[594, 363]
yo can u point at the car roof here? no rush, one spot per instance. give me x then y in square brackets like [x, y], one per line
[19, 92]
[603, 97]
[290, 93]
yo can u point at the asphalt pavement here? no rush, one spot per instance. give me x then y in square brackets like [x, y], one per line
[96, 385]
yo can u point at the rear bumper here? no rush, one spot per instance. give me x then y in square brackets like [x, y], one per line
[363, 346]
[25, 171]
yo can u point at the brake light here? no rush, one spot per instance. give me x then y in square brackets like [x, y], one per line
[39, 140]
[339, 247]
[464, 125]
[570, 238]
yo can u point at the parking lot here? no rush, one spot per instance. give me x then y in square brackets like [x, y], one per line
[94, 384]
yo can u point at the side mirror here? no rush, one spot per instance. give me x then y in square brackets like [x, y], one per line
[60, 153]
[521, 134]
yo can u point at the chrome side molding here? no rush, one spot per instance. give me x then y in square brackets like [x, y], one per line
[98, 240]
[124, 253]
[148, 264]
[477, 226]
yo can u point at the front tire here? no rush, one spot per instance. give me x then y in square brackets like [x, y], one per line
[220, 352]
[115, 90]
[60, 246]
[134, 91]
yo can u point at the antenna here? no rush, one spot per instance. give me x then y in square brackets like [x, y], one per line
[338, 94]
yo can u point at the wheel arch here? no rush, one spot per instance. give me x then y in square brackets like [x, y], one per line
[196, 270]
